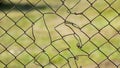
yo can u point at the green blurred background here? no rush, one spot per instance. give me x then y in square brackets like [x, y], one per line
[99, 33]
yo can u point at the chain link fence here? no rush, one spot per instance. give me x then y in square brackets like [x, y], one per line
[59, 34]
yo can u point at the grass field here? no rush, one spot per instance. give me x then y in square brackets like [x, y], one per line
[17, 40]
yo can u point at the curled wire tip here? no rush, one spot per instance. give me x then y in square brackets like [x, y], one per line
[78, 45]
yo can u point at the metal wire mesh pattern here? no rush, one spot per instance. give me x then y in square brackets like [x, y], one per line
[59, 34]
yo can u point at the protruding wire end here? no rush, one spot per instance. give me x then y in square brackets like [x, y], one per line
[78, 45]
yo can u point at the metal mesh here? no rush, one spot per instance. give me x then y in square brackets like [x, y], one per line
[59, 34]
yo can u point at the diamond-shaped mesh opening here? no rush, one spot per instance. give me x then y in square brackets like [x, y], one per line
[115, 41]
[115, 23]
[24, 58]
[107, 64]
[24, 23]
[90, 30]
[54, 5]
[115, 58]
[100, 5]
[42, 59]
[108, 32]
[18, 15]
[25, 41]
[33, 15]
[64, 12]
[34, 49]
[5, 21]
[71, 3]
[49, 51]
[97, 56]
[109, 14]
[78, 8]
[107, 51]
[6, 40]
[6, 57]
[89, 47]
[15, 64]
[12, 31]
[98, 40]
[99, 22]
[15, 49]
[115, 6]
[59, 61]
[91, 13]
[66, 54]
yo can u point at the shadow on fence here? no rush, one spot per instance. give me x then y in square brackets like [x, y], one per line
[23, 7]
[86, 37]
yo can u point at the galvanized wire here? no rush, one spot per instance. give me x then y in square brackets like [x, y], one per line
[80, 33]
